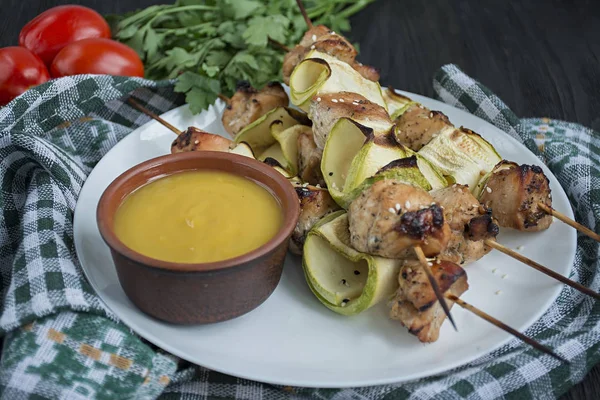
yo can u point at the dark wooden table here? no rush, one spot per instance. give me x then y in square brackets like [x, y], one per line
[542, 57]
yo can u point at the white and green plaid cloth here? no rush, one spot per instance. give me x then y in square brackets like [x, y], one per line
[61, 342]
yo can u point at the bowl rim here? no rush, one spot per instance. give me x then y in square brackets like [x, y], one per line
[157, 164]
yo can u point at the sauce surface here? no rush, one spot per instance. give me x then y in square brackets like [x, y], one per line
[197, 217]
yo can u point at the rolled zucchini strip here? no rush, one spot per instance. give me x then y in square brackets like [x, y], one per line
[353, 153]
[258, 134]
[396, 102]
[461, 155]
[343, 279]
[320, 73]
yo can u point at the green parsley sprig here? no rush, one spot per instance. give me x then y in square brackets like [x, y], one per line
[210, 45]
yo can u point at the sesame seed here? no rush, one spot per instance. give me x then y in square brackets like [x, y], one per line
[421, 106]
[398, 206]
[333, 32]
[454, 185]
[334, 100]
[196, 141]
[438, 261]
[488, 189]
[314, 38]
[312, 47]
[318, 99]
[341, 100]
[498, 292]
[392, 210]
[430, 115]
[409, 270]
[407, 204]
[429, 264]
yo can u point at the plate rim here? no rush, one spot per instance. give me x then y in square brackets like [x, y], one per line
[163, 344]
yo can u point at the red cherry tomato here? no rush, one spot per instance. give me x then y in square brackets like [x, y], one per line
[49, 32]
[20, 69]
[97, 56]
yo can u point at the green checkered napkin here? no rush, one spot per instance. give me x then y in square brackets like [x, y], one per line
[61, 342]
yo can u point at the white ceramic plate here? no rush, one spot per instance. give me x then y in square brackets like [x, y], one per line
[292, 339]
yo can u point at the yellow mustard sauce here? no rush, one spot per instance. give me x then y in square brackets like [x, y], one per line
[197, 217]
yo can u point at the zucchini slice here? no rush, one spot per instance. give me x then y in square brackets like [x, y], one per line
[461, 155]
[352, 154]
[396, 102]
[258, 134]
[343, 279]
[322, 73]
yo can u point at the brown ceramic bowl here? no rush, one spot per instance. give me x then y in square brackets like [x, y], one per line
[208, 292]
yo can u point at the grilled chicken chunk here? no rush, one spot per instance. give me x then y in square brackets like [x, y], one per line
[470, 224]
[415, 304]
[194, 139]
[390, 217]
[315, 203]
[324, 40]
[513, 192]
[418, 125]
[367, 71]
[309, 160]
[248, 104]
[326, 109]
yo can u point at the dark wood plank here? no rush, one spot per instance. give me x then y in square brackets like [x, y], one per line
[541, 57]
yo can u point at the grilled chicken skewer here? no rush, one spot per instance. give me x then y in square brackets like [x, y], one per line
[416, 307]
[244, 107]
[519, 195]
[474, 231]
[324, 40]
[392, 219]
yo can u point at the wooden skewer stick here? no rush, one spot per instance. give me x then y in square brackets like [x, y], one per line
[279, 45]
[503, 326]
[434, 285]
[541, 268]
[569, 221]
[149, 113]
[224, 98]
[304, 14]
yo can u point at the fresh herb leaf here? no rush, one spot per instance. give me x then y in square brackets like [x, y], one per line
[261, 28]
[210, 45]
